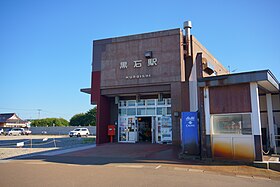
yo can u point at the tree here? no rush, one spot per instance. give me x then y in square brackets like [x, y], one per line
[90, 117]
[48, 122]
[77, 120]
[84, 119]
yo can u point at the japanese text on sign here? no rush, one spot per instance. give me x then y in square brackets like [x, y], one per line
[138, 63]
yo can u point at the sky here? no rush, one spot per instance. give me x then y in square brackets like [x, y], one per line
[46, 45]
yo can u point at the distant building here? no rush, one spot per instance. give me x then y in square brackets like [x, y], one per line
[11, 120]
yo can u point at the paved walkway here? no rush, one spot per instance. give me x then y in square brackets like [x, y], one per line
[150, 154]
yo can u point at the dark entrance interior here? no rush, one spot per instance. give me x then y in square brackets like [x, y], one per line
[145, 129]
[264, 139]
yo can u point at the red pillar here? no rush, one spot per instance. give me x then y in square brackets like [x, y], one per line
[103, 109]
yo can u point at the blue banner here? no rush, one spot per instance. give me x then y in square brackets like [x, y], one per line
[190, 136]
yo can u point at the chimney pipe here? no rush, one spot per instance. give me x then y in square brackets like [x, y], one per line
[187, 27]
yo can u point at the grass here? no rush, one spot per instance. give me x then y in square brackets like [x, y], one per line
[88, 140]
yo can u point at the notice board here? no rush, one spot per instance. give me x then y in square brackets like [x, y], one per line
[190, 133]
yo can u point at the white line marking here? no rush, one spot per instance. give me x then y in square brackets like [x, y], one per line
[4, 161]
[130, 166]
[180, 169]
[159, 166]
[196, 170]
[63, 151]
[37, 163]
[244, 176]
[261, 178]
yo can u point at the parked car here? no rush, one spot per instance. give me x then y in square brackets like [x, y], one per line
[16, 131]
[6, 131]
[1, 131]
[79, 132]
[27, 131]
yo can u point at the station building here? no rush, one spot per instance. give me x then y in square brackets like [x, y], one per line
[141, 84]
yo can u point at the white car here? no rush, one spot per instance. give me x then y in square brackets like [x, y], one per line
[16, 131]
[27, 131]
[79, 132]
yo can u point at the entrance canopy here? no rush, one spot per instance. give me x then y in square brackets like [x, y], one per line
[267, 83]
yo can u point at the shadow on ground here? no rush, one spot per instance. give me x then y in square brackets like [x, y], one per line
[139, 153]
[128, 153]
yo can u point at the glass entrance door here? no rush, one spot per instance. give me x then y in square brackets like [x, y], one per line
[127, 129]
[146, 120]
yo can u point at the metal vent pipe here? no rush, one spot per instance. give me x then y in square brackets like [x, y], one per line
[187, 27]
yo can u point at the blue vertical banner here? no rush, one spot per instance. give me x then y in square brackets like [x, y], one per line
[190, 135]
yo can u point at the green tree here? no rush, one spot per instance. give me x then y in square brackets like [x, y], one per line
[48, 122]
[84, 119]
[90, 117]
[77, 120]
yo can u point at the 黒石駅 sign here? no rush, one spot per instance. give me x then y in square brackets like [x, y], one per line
[190, 136]
[138, 64]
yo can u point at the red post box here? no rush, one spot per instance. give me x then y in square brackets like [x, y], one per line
[111, 132]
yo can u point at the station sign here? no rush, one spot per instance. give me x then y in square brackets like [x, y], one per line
[138, 64]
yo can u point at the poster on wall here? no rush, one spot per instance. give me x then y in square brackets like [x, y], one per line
[166, 129]
[190, 136]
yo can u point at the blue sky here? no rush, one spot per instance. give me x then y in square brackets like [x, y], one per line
[46, 45]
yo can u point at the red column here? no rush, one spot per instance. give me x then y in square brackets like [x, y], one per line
[103, 109]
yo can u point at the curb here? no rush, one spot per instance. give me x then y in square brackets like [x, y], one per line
[267, 165]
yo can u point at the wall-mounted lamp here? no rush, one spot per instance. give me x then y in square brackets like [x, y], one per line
[148, 54]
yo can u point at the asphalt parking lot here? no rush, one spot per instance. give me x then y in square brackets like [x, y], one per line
[129, 165]
[11, 146]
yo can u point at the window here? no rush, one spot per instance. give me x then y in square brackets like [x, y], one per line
[122, 103]
[151, 102]
[144, 107]
[151, 111]
[168, 101]
[161, 111]
[122, 112]
[232, 124]
[131, 111]
[131, 103]
[141, 111]
[141, 103]
[168, 110]
[161, 102]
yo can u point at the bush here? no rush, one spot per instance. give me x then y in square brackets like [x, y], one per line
[48, 122]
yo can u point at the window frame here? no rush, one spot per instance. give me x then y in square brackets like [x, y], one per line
[232, 114]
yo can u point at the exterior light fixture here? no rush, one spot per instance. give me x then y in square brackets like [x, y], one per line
[148, 54]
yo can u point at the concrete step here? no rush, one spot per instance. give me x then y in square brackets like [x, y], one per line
[273, 159]
[273, 165]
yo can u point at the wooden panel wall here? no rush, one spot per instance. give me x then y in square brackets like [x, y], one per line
[230, 99]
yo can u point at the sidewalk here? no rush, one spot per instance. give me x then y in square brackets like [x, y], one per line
[152, 154]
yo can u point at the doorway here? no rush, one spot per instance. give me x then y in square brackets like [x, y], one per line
[145, 129]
